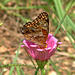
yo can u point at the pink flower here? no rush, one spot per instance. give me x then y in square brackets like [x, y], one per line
[41, 54]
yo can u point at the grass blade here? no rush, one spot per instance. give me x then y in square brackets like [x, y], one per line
[55, 67]
[12, 68]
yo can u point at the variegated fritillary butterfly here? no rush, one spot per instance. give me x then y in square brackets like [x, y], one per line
[37, 30]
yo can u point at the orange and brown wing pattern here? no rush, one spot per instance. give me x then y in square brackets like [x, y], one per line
[37, 30]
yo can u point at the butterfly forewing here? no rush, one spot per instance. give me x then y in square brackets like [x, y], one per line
[37, 30]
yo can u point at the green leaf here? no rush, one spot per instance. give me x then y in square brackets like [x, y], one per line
[18, 70]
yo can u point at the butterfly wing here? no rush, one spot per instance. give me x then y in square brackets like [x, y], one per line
[37, 30]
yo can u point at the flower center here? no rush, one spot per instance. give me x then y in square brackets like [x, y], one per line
[43, 46]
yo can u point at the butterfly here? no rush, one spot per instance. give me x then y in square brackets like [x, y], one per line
[37, 30]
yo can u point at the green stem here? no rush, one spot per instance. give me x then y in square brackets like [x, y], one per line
[20, 7]
[41, 65]
[36, 71]
[42, 71]
[8, 65]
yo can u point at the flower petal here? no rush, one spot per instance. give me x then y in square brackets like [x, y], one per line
[42, 54]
